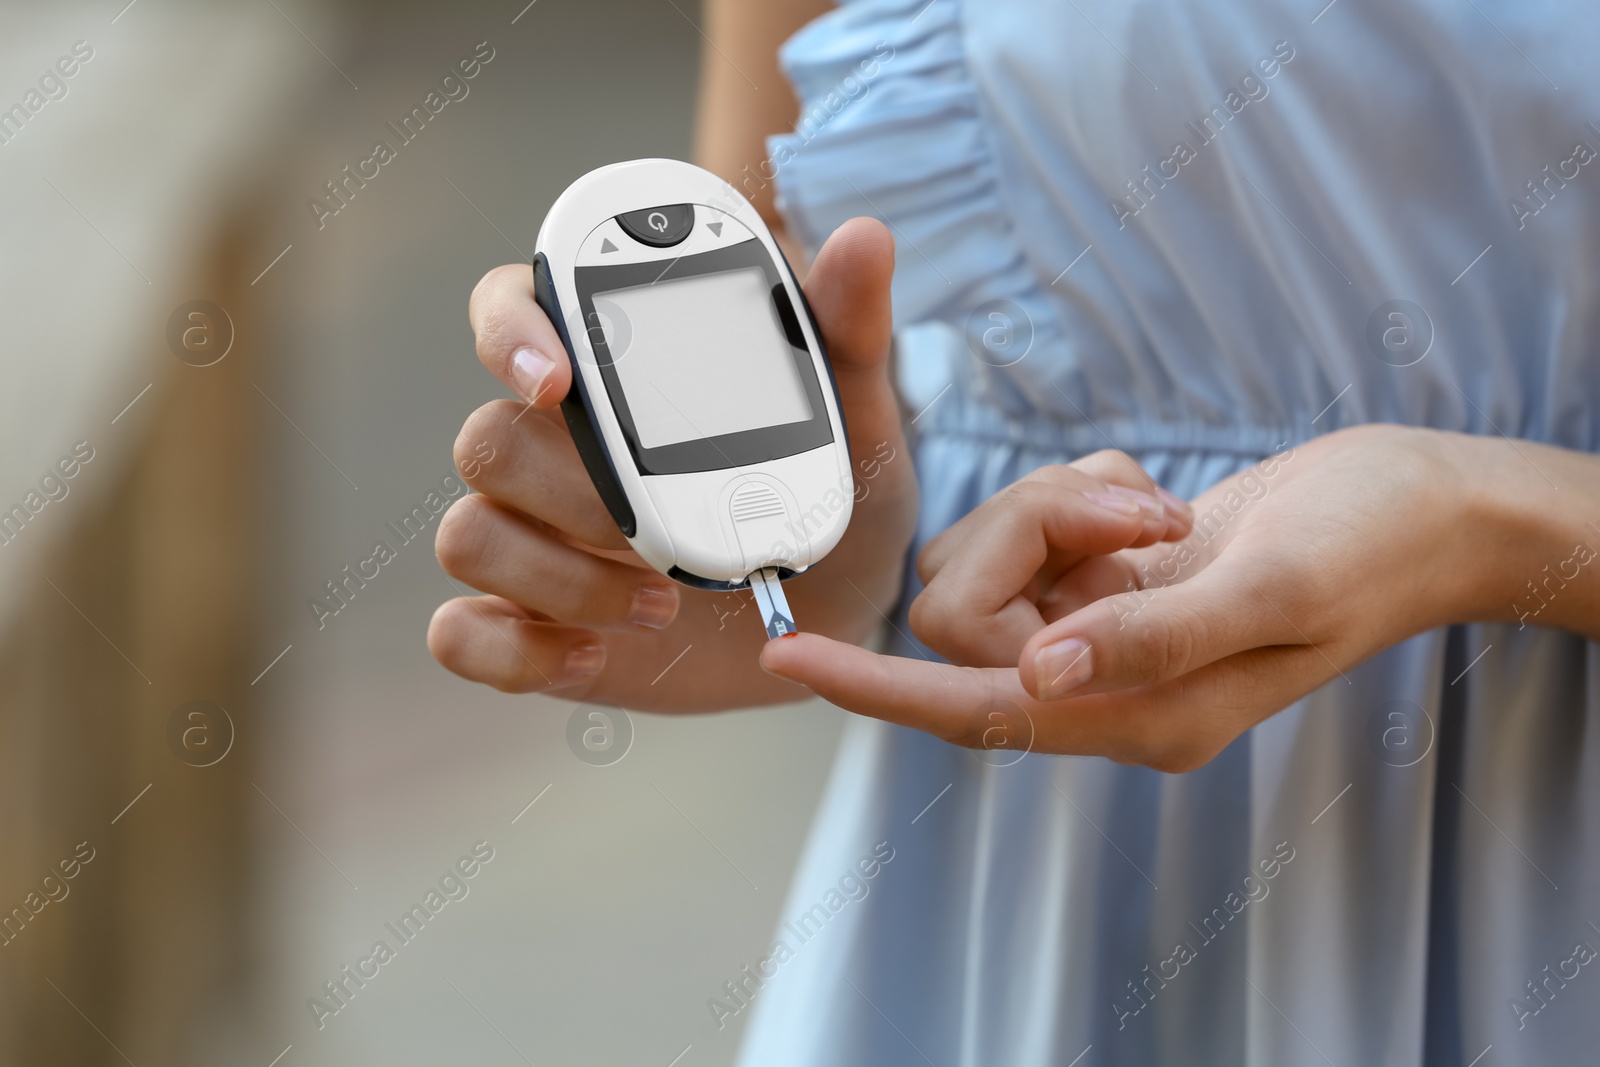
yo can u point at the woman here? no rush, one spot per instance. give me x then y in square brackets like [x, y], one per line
[1329, 273]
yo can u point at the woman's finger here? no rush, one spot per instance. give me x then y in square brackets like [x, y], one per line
[493, 549]
[516, 341]
[954, 538]
[935, 697]
[1156, 634]
[1091, 580]
[1128, 571]
[982, 604]
[1116, 467]
[1110, 476]
[490, 640]
[531, 464]
[1173, 727]
[981, 707]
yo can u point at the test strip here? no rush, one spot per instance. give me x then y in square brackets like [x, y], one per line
[774, 605]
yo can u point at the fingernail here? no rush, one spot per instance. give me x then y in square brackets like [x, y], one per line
[1175, 502]
[585, 659]
[1122, 505]
[1062, 667]
[1149, 505]
[654, 606]
[530, 369]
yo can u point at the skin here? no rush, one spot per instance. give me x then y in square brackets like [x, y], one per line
[561, 577]
[1082, 609]
[1356, 541]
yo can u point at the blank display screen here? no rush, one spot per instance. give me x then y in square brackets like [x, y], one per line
[701, 357]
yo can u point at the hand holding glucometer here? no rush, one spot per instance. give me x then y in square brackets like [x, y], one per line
[575, 606]
[702, 402]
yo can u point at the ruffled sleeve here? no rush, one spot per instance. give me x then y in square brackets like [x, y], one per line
[892, 126]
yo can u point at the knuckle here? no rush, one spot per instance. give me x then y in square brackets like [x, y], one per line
[486, 301]
[1111, 464]
[937, 622]
[496, 332]
[994, 724]
[1020, 493]
[1167, 646]
[445, 634]
[1178, 757]
[928, 618]
[1158, 746]
[451, 638]
[489, 426]
[457, 640]
[1050, 472]
[967, 736]
[1028, 497]
[461, 542]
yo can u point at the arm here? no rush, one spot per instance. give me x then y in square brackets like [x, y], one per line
[744, 96]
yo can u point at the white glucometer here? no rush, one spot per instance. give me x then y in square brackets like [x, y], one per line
[702, 402]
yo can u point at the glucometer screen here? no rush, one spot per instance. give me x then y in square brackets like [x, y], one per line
[702, 356]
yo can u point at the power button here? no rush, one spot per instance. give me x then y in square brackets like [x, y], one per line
[659, 227]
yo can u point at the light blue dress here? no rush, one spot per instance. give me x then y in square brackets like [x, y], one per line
[1351, 239]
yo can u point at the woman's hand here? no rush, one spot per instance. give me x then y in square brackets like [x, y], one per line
[1034, 552]
[1294, 571]
[571, 609]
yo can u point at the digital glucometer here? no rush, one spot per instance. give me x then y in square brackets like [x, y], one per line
[702, 402]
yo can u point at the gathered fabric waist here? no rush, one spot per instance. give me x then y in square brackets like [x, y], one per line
[949, 396]
[985, 428]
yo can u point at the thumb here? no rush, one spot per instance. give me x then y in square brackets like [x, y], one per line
[848, 290]
[1151, 635]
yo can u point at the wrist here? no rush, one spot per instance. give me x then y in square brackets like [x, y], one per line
[1529, 534]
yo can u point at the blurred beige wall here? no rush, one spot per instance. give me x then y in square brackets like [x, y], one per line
[628, 893]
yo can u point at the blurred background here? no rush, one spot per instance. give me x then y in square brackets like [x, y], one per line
[247, 391]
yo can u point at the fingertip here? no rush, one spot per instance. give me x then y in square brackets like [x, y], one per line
[1179, 511]
[515, 340]
[864, 240]
[783, 656]
[848, 289]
